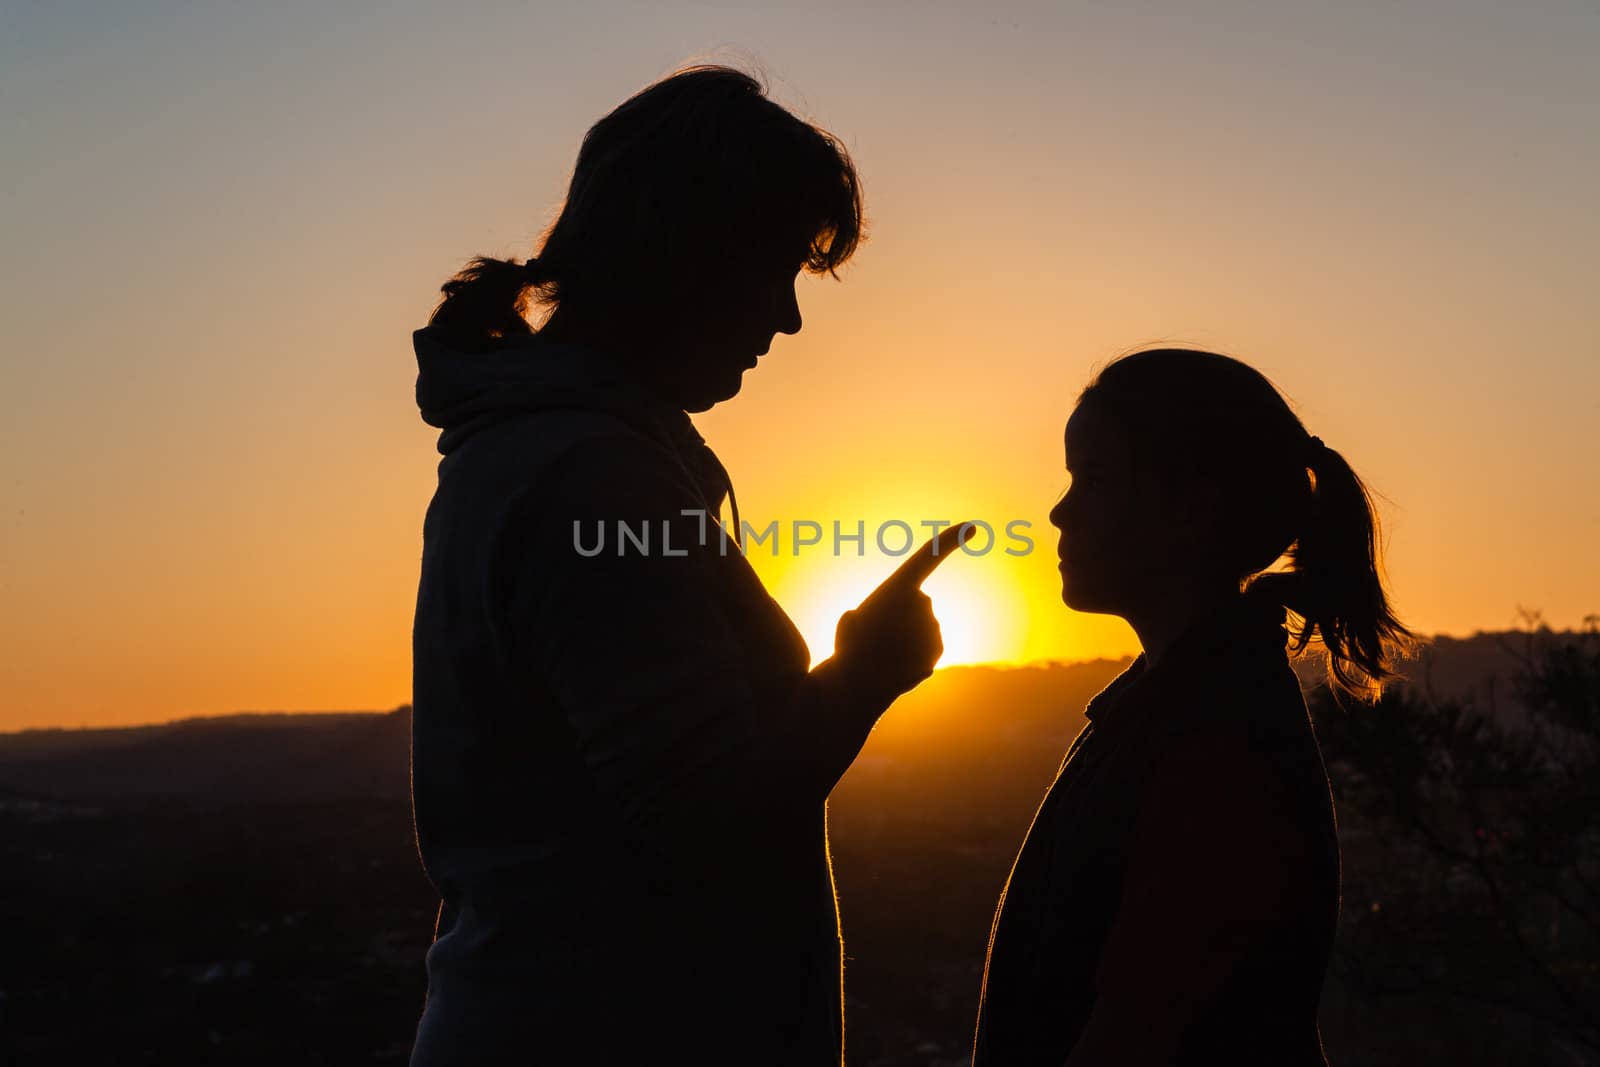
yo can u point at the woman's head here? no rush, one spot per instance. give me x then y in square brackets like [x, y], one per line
[1189, 470]
[692, 207]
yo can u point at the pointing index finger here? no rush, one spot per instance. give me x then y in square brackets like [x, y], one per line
[921, 563]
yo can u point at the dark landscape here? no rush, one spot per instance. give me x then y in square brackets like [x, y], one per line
[245, 889]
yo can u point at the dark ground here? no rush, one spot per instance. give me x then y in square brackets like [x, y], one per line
[246, 890]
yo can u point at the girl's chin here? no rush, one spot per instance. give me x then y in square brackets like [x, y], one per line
[1076, 596]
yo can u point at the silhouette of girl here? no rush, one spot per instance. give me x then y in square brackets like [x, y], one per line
[1176, 896]
[620, 760]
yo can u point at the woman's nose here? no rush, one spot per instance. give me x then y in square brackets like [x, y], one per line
[788, 311]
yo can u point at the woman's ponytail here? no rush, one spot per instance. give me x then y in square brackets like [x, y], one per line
[485, 301]
[695, 177]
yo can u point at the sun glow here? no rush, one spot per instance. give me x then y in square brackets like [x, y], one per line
[981, 615]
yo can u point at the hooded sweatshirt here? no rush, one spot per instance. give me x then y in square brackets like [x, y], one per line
[620, 762]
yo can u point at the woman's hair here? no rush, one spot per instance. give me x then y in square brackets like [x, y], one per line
[1206, 421]
[697, 176]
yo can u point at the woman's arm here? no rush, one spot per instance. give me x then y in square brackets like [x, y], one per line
[1217, 870]
[695, 744]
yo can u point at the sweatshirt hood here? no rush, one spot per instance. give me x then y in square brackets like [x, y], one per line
[462, 393]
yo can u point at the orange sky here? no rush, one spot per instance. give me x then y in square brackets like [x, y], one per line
[220, 230]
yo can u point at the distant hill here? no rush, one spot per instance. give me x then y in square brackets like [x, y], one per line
[1476, 670]
[959, 726]
[223, 760]
[246, 889]
[958, 721]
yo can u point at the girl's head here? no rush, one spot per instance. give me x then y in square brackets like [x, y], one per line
[693, 207]
[1189, 472]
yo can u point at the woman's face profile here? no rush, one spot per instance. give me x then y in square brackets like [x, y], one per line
[729, 325]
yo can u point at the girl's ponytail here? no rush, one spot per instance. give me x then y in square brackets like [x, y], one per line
[1202, 420]
[1335, 583]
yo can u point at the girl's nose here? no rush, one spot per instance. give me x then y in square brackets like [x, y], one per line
[1058, 513]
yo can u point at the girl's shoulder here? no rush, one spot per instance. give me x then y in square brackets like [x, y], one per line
[1255, 695]
[1253, 726]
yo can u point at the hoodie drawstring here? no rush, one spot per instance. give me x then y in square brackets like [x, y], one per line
[733, 501]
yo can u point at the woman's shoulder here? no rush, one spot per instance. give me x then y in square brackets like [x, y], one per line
[536, 438]
[581, 461]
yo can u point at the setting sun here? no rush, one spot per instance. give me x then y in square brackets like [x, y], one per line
[1024, 227]
[977, 599]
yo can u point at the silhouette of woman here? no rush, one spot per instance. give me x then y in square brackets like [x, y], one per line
[620, 760]
[1176, 896]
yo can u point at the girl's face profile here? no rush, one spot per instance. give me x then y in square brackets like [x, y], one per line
[1106, 525]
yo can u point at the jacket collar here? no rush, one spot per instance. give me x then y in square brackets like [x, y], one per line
[1201, 658]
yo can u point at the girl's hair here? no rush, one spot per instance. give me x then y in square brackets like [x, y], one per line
[697, 176]
[1202, 420]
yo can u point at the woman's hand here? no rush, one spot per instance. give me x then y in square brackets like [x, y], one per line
[890, 642]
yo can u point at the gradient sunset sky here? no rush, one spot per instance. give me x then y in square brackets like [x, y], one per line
[222, 221]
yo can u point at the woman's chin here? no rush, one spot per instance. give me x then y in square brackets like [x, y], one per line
[711, 396]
